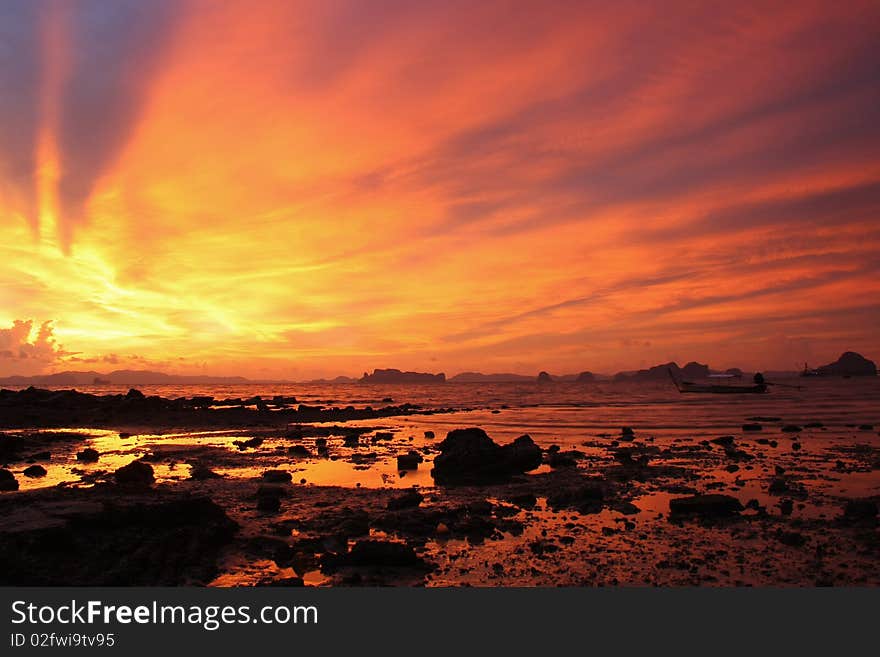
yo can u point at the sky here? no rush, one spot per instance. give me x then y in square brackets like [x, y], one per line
[304, 189]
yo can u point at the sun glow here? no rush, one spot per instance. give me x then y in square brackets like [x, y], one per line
[308, 189]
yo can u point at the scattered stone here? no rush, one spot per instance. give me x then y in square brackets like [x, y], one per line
[373, 553]
[409, 461]
[712, 505]
[88, 455]
[201, 472]
[469, 456]
[100, 538]
[567, 459]
[8, 481]
[778, 486]
[136, 473]
[863, 509]
[34, 471]
[249, 443]
[269, 503]
[410, 499]
[277, 476]
[523, 500]
[793, 539]
[586, 499]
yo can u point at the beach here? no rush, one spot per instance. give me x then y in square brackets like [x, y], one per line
[337, 485]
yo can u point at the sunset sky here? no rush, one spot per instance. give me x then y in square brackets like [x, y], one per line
[303, 189]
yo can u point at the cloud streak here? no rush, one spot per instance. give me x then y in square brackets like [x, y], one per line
[282, 188]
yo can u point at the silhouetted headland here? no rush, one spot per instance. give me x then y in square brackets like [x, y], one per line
[394, 376]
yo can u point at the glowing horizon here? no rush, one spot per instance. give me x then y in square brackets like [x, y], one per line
[299, 189]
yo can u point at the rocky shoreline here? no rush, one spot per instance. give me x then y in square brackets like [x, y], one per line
[763, 507]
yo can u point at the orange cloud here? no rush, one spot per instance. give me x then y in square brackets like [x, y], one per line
[304, 189]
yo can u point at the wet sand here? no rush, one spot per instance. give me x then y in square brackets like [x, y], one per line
[783, 505]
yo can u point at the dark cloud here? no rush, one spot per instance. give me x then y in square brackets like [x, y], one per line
[115, 50]
[19, 102]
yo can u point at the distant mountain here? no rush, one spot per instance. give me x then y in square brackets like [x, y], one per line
[849, 364]
[479, 377]
[120, 377]
[692, 370]
[338, 379]
[396, 376]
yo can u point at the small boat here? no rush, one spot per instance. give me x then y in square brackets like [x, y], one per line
[714, 388]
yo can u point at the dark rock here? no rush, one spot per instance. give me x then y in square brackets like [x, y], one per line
[372, 553]
[793, 539]
[866, 427]
[134, 393]
[778, 486]
[7, 481]
[277, 476]
[522, 454]
[88, 455]
[272, 490]
[469, 456]
[34, 471]
[752, 427]
[863, 509]
[813, 425]
[544, 377]
[269, 503]
[713, 505]
[786, 506]
[723, 440]
[136, 473]
[409, 461]
[409, 499]
[523, 500]
[429, 434]
[567, 459]
[588, 498]
[103, 539]
[351, 440]
[792, 428]
[201, 472]
[294, 582]
[298, 450]
[249, 443]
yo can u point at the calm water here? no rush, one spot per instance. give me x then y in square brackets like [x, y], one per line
[653, 406]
